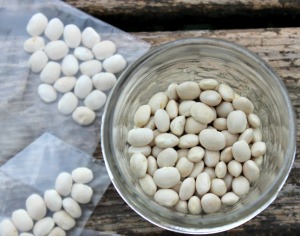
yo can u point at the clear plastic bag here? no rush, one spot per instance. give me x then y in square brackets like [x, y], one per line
[23, 115]
[35, 169]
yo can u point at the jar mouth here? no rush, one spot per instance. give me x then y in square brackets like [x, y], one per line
[133, 198]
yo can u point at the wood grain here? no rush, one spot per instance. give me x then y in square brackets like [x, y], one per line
[281, 49]
[192, 14]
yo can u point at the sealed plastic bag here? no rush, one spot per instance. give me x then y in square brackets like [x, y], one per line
[35, 169]
[23, 115]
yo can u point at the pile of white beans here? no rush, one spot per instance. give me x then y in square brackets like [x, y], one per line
[70, 62]
[196, 147]
[62, 203]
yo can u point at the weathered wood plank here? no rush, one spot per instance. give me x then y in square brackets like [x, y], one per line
[189, 14]
[280, 48]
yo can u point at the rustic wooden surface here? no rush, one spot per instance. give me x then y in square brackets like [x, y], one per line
[189, 14]
[281, 49]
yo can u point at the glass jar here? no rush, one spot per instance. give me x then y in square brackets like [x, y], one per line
[192, 60]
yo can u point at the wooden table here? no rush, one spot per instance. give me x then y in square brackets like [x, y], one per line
[280, 47]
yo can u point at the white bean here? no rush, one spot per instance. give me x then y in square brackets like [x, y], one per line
[166, 197]
[203, 183]
[158, 101]
[72, 35]
[220, 124]
[230, 198]
[228, 180]
[36, 207]
[198, 168]
[83, 54]
[145, 150]
[194, 205]
[90, 67]
[184, 108]
[52, 200]
[63, 183]
[208, 84]
[193, 127]
[142, 115]
[68, 103]
[188, 90]
[221, 169]
[247, 135]
[240, 186]
[166, 140]
[69, 65]
[254, 121]
[258, 149]
[226, 155]
[82, 193]
[156, 150]
[57, 232]
[196, 154]
[226, 92]
[83, 115]
[183, 152]
[236, 122]
[37, 24]
[211, 158]
[89, 37]
[172, 109]
[176, 188]
[22, 220]
[83, 87]
[104, 81]
[210, 171]
[148, 185]
[95, 100]
[166, 177]
[241, 151]
[37, 61]
[184, 167]
[177, 125]
[7, 228]
[47, 93]
[151, 165]
[188, 141]
[114, 64]
[223, 109]
[56, 49]
[210, 98]
[72, 207]
[218, 187]
[235, 168]
[104, 49]
[257, 135]
[172, 91]
[43, 227]
[162, 120]
[167, 157]
[212, 140]
[243, 104]
[187, 188]
[230, 138]
[202, 113]
[181, 206]
[63, 220]
[210, 203]
[251, 171]
[258, 161]
[51, 72]
[65, 84]
[138, 165]
[34, 44]
[140, 137]
[54, 29]
[82, 175]
[151, 125]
